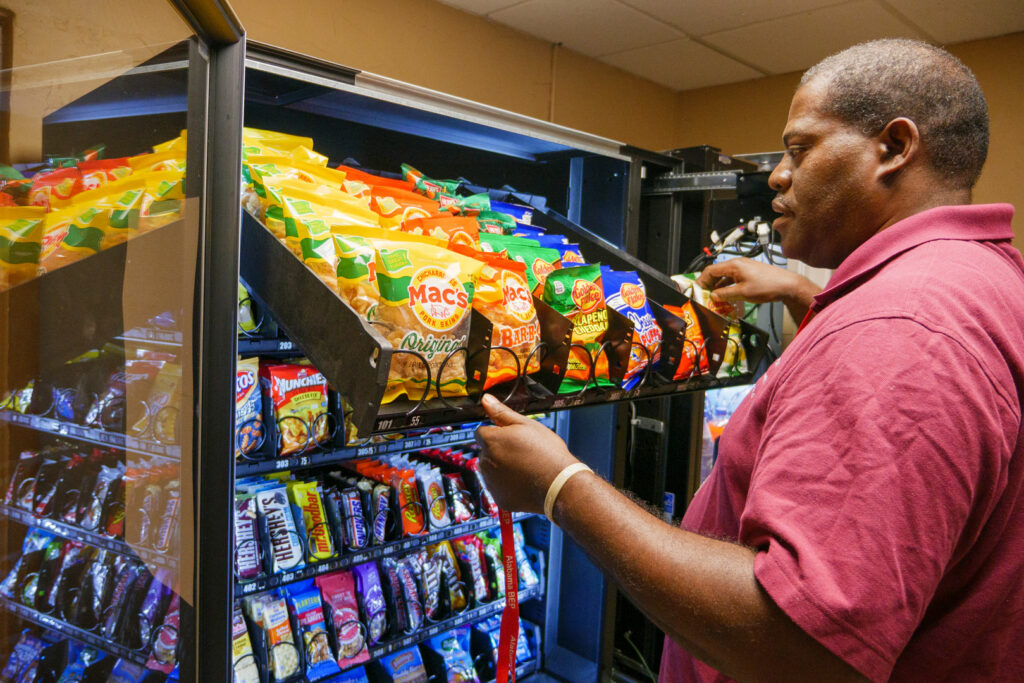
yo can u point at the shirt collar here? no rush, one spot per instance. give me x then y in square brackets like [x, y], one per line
[971, 222]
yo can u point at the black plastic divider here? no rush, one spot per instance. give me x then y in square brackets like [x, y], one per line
[151, 557]
[390, 549]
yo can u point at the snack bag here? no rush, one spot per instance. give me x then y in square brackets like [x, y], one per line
[259, 166]
[256, 141]
[453, 649]
[456, 592]
[375, 614]
[503, 296]
[99, 172]
[119, 202]
[425, 297]
[462, 230]
[687, 283]
[52, 186]
[356, 273]
[734, 360]
[624, 291]
[404, 666]
[21, 239]
[248, 407]
[313, 631]
[429, 187]
[161, 418]
[72, 233]
[495, 222]
[158, 162]
[284, 654]
[694, 360]
[299, 396]
[498, 243]
[243, 663]
[339, 593]
[162, 199]
[576, 292]
[396, 206]
[527, 575]
[539, 261]
[367, 180]
[469, 550]
[246, 319]
[291, 203]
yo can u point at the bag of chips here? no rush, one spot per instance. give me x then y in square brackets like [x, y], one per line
[257, 141]
[99, 172]
[503, 296]
[305, 605]
[21, 239]
[285, 659]
[429, 187]
[354, 176]
[339, 593]
[72, 233]
[687, 283]
[452, 230]
[426, 293]
[298, 394]
[495, 222]
[576, 292]
[539, 261]
[452, 651]
[243, 662]
[624, 291]
[162, 199]
[248, 407]
[53, 186]
[396, 206]
[694, 358]
[734, 360]
[158, 162]
[292, 203]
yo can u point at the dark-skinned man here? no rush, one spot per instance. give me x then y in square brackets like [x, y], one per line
[864, 518]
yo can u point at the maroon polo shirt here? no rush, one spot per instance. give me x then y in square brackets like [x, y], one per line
[877, 466]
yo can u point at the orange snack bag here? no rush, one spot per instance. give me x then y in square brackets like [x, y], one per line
[694, 350]
[462, 230]
[395, 206]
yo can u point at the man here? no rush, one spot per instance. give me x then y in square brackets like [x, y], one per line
[864, 518]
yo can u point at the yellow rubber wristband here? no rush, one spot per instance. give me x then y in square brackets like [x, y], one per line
[557, 484]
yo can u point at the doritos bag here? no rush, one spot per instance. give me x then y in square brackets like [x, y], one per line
[577, 293]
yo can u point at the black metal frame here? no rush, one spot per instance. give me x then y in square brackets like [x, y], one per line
[214, 125]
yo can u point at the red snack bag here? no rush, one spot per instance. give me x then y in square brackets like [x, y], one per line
[339, 593]
[694, 348]
[7, 200]
[299, 396]
[354, 174]
[54, 186]
[102, 171]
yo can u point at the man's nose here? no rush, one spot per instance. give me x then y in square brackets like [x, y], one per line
[781, 177]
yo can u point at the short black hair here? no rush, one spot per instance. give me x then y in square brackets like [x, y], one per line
[870, 84]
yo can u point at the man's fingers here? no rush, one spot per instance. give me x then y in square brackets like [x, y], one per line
[501, 414]
[730, 293]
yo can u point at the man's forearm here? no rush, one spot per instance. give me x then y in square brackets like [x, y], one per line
[700, 591]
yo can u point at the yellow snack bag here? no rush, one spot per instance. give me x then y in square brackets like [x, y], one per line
[161, 199]
[318, 207]
[170, 160]
[426, 294]
[256, 141]
[73, 233]
[309, 156]
[177, 144]
[356, 271]
[260, 166]
[125, 200]
[21, 236]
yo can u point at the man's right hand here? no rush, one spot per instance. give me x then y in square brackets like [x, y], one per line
[759, 283]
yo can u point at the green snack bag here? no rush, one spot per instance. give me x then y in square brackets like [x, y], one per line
[430, 187]
[540, 263]
[496, 222]
[578, 294]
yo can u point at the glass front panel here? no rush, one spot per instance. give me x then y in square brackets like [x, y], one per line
[98, 245]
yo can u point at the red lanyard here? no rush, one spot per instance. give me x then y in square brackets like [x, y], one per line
[508, 639]
[807, 318]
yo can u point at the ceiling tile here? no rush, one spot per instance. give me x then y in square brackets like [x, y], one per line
[701, 17]
[681, 65]
[481, 6]
[955, 22]
[798, 41]
[592, 27]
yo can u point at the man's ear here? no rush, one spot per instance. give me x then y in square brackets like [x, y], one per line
[899, 146]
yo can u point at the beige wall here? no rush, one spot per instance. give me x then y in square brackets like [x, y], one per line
[436, 46]
[749, 117]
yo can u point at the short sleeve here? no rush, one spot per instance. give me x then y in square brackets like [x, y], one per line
[881, 453]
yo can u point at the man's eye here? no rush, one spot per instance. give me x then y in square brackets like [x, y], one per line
[796, 150]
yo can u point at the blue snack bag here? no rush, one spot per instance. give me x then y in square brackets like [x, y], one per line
[624, 291]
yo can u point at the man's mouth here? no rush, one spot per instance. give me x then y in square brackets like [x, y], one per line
[779, 207]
